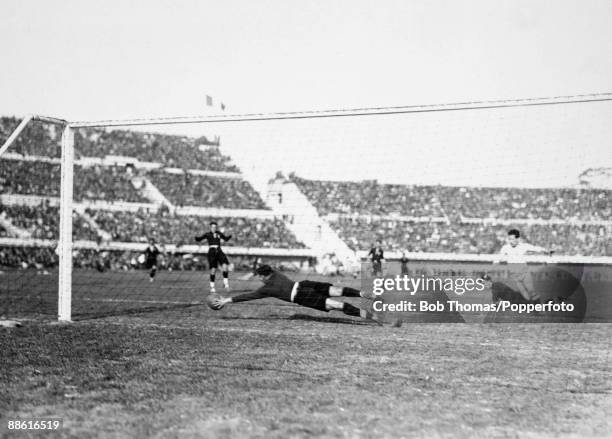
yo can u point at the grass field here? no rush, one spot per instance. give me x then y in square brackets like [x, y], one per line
[162, 365]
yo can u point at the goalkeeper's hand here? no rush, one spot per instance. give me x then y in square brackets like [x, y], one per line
[219, 303]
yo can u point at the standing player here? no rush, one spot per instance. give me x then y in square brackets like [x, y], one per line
[151, 254]
[513, 252]
[404, 263]
[516, 247]
[376, 255]
[315, 295]
[216, 257]
[528, 284]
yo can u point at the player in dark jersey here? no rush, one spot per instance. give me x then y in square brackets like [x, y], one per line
[216, 257]
[404, 263]
[315, 295]
[376, 255]
[151, 254]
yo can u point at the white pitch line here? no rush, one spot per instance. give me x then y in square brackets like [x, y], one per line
[167, 302]
[91, 299]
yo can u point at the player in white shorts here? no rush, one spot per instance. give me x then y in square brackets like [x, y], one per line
[513, 252]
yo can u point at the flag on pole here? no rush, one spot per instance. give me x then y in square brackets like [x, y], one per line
[211, 103]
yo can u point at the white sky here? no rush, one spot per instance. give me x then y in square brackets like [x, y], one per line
[123, 59]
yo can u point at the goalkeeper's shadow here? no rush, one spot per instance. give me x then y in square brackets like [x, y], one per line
[299, 317]
[322, 319]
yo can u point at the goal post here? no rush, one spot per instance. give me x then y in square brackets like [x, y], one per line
[65, 232]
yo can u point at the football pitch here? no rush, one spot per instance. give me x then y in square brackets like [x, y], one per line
[149, 360]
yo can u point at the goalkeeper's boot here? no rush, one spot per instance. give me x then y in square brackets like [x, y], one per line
[368, 295]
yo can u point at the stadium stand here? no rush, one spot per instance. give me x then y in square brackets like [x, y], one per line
[518, 203]
[172, 151]
[43, 139]
[108, 183]
[200, 190]
[591, 240]
[29, 178]
[567, 221]
[38, 139]
[103, 260]
[27, 257]
[406, 217]
[42, 222]
[205, 179]
[371, 198]
[168, 228]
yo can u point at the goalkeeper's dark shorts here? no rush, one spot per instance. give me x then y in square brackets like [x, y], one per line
[216, 257]
[312, 294]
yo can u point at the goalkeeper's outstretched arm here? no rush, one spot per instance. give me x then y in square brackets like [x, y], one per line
[257, 294]
[222, 301]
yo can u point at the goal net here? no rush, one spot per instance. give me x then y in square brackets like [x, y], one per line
[310, 193]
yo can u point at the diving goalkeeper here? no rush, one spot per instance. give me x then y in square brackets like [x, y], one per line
[315, 295]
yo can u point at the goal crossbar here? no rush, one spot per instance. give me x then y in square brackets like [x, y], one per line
[354, 112]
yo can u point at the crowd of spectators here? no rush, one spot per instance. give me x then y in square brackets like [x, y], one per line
[480, 238]
[107, 183]
[46, 258]
[169, 150]
[169, 228]
[362, 204]
[405, 236]
[42, 221]
[114, 183]
[28, 257]
[372, 198]
[29, 178]
[520, 203]
[200, 190]
[38, 138]
[104, 260]
[44, 139]
[368, 211]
